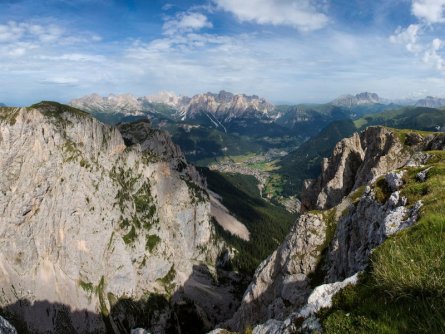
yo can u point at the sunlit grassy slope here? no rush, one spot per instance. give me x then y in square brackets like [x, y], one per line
[404, 289]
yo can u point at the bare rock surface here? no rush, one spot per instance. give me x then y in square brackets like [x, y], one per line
[320, 298]
[86, 219]
[355, 161]
[281, 280]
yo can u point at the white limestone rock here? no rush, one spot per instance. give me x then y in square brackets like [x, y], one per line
[394, 180]
[422, 176]
[69, 192]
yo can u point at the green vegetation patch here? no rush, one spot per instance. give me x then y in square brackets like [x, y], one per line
[144, 204]
[357, 194]
[56, 110]
[126, 180]
[382, 190]
[198, 194]
[131, 236]
[168, 280]
[317, 276]
[418, 118]
[366, 308]
[87, 286]
[8, 115]
[152, 242]
[70, 151]
[136, 199]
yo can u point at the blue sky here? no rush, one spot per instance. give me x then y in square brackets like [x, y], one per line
[284, 50]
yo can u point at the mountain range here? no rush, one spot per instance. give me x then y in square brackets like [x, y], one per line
[208, 126]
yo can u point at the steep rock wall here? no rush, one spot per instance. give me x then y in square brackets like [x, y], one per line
[85, 220]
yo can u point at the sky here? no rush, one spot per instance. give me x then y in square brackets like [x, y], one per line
[287, 51]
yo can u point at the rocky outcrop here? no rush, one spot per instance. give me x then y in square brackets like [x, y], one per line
[88, 217]
[281, 281]
[366, 225]
[367, 206]
[355, 161]
[304, 320]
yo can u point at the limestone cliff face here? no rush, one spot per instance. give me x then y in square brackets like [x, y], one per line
[331, 245]
[355, 161]
[86, 219]
[281, 281]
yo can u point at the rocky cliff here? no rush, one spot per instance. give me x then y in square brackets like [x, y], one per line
[90, 217]
[357, 160]
[367, 204]
[225, 106]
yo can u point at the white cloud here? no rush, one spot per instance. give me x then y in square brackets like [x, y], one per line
[432, 57]
[186, 22]
[407, 37]
[167, 6]
[75, 57]
[430, 11]
[61, 80]
[419, 38]
[15, 31]
[303, 15]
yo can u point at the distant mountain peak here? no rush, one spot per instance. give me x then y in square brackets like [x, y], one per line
[358, 99]
[168, 98]
[225, 106]
[431, 102]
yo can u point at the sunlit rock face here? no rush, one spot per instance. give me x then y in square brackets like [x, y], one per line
[87, 218]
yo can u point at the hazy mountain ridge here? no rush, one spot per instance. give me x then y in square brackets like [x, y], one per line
[223, 104]
[358, 99]
[431, 102]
